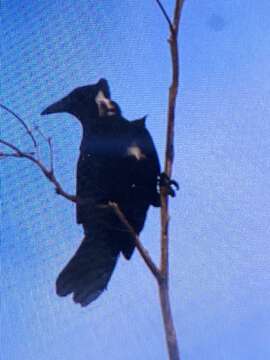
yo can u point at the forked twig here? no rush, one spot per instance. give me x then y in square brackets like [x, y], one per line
[48, 173]
[29, 132]
[50, 145]
[164, 12]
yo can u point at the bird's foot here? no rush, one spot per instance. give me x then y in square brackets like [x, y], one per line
[170, 185]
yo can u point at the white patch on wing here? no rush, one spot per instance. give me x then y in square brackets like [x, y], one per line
[135, 151]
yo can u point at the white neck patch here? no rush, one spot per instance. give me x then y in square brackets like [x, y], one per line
[105, 106]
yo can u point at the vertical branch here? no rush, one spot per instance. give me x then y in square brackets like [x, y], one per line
[169, 157]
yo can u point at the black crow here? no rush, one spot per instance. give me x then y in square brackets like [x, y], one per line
[118, 163]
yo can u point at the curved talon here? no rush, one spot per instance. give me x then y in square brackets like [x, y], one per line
[165, 181]
[175, 184]
[171, 192]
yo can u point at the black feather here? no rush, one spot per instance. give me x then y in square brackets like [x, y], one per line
[118, 162]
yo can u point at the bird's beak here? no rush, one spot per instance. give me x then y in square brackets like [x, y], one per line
[57, 107]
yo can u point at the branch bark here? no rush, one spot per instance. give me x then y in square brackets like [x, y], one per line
[28, 130]
[170, 332]
[143, 252]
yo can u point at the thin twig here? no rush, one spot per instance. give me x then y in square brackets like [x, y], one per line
[143, 252]
[51, 154]
[29, 132]
[50, 145]
[5, 155]
[48, 173]
[38, 130]
[164, 12]
[11, 146]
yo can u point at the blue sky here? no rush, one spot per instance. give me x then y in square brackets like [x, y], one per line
[220, 283]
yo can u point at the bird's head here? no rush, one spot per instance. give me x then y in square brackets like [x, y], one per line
[91, 101]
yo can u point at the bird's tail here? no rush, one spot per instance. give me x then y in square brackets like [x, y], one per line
[89, 270]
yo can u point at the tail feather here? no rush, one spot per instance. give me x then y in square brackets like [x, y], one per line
[88, 272]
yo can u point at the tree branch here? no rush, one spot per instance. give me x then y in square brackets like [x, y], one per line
[169, 156]
[29, 132]
[143, 252]
[5, 155]
[48, 173]
[164, 12]
[50, 145]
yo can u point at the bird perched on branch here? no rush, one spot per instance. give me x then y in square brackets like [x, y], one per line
[118, 163]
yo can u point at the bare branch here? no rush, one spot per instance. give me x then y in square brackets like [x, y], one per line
[51, 154]
[49, 142]
[40, 132]
[143, 252]
[49, 174]
[164, 12]
[169, 156]
[23, 123]
[5, 155]
[11, 146]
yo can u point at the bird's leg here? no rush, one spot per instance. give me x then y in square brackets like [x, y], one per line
[169, 184]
